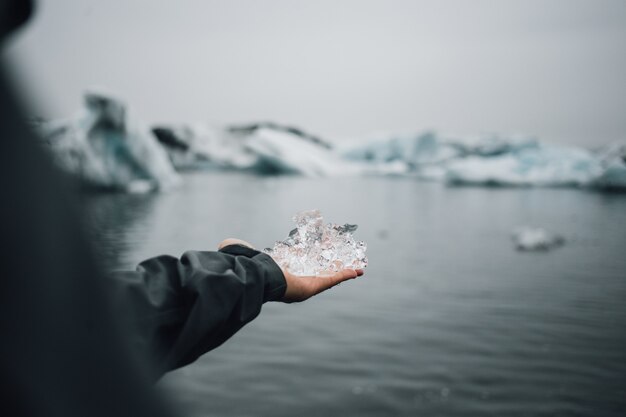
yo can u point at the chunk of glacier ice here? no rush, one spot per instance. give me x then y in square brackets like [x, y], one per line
[316, 248]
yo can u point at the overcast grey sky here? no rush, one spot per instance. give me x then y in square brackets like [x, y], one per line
[341, 68]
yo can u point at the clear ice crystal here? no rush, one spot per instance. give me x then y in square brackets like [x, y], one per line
[313, 248]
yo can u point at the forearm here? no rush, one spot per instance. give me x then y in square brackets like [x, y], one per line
[179, 309]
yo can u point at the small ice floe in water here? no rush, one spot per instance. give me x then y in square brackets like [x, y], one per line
[315, 248]
[535, 239]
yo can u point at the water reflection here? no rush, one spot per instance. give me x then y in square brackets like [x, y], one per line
[119, 224]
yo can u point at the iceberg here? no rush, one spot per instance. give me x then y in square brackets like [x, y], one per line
[612, 160]
[263, 148]
[415, 153]
[248, 129]
[535, 239]
[200, 146]
[515, 160]
[430, 148]
[427, 155]
[282, 152]
[491, 145]
[103, 147]
[541, 165]
[105, 150]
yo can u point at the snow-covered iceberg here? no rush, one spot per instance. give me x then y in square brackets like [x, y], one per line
[264, 148]
[612, 160]
[415, 151]
[427, 155]
[281, 151]
[201, 146]
[105, 150]
[541, 165]
[493, 160]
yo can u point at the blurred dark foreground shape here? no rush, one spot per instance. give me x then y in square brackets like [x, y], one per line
[66, 350]
[61, 353]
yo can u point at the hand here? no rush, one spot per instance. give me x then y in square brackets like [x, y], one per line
[300, 288]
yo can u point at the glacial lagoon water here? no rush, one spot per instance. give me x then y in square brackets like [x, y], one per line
[449, 319]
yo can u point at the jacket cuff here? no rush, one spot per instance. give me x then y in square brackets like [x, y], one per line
[275, 283]
[239, 250]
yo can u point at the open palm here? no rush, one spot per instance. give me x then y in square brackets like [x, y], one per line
[300, 288]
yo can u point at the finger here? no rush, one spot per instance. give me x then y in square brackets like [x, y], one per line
[348, 274]
[360, 272]
[326, 282]
[233, 241]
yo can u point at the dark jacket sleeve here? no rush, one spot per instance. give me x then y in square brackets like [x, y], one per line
[178, 309]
